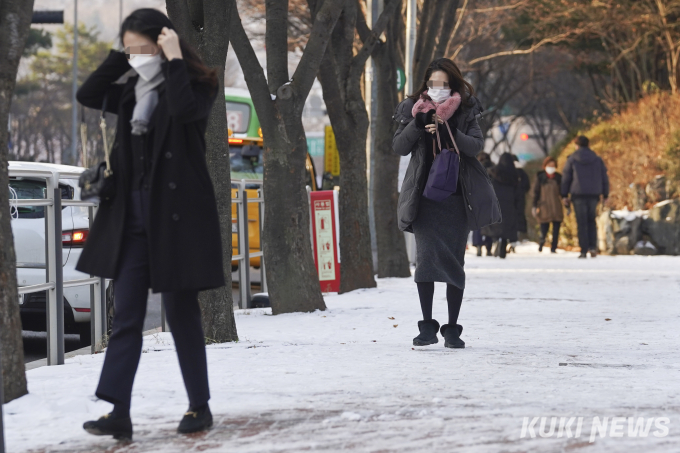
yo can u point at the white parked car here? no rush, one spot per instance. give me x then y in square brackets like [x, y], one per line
[29, 242]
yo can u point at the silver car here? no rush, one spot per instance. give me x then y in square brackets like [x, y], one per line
[28, 228]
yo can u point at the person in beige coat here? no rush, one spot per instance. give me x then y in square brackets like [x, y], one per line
[547, 202]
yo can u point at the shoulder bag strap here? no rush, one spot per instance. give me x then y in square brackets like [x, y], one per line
[436, 129]
[102, 125]
[452, 140]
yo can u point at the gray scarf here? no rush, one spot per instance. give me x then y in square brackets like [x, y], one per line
[146, 100]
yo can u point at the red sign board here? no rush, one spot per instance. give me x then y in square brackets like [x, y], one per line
[325, 237]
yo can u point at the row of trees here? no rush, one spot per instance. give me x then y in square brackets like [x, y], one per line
[551, 62]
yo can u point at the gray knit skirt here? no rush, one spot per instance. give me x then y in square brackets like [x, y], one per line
[441, 233]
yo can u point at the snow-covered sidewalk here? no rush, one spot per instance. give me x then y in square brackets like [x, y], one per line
[349, 379]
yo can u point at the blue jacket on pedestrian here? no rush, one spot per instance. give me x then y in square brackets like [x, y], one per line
[585, 174]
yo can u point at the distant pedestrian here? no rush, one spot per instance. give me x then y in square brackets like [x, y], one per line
[478, 239]
[440, 227]
[510, 195]
[161, 229]
[585, 179]
[547, 203]
[525, 186]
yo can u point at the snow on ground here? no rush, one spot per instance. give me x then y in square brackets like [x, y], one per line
[349, 379]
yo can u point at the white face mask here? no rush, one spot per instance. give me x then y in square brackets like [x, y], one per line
[439, 95]
[550, 170]
[146, 66]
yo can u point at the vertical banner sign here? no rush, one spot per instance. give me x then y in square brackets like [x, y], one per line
[325, 235]
[332, 158]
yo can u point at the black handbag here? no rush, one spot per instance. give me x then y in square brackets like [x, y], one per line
[97, 183]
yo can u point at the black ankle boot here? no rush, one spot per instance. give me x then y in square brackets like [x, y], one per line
[196, 420]
[428, 333]
[451, 336]
[120, 427]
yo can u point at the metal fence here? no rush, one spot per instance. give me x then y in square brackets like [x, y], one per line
[241, 201]
[54, 281]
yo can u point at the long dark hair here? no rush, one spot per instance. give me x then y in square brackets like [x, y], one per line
[457, 82]
[149, 22]
[504, 171]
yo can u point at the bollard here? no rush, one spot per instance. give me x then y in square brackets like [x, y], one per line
[54, 261]
[244, 265]
[263, 272]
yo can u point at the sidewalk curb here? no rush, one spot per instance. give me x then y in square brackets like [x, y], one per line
[82, 351]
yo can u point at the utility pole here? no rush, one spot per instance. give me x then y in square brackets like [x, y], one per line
[373, 9]
[73, 159]
[410, 43]
[411, 12]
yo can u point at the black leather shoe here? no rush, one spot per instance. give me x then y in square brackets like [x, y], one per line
[428, 333]
[451, 336]
[195, 421]
[110, 425]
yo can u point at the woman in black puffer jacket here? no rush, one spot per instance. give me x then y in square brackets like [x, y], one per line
[440, 227]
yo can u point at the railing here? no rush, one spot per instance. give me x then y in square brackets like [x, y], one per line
[243, 257]
[53, 266]
[55, 283]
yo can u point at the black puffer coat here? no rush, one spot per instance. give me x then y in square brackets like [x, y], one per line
[409, 138]
[185, 247]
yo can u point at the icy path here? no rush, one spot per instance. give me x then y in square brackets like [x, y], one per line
[348, 379]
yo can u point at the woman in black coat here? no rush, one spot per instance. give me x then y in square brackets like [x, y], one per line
[161, 229]
[510, 195]
[440, 227]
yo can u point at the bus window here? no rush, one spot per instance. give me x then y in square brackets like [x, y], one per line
[238, 116]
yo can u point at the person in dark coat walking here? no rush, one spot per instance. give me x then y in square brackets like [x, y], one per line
[440, 227]
[585, 179]
[478, 239]
[525, 185]
[161, 229]
[511, 197]
[547, 204]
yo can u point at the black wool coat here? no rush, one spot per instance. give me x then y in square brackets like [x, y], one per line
[185, 247]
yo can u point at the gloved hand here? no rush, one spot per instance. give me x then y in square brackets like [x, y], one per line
[534, 211]
[423, 118]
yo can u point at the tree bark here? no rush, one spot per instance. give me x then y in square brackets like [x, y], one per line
[291, 275]
[15, 21]
[392, 256]
[340, 77]
[205, 24]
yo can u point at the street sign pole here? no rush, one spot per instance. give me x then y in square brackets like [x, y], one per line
[74, 104]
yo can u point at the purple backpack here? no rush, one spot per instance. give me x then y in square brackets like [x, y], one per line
[443, 178]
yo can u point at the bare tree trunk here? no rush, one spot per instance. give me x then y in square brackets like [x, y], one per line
[15, 21]
[279, 100]
[392, 256]
[340, 77]
[206, 25]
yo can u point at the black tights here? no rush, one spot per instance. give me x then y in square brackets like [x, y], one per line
[454, 297]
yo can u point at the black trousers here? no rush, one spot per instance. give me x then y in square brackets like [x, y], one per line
[585, 209]
[555, 233]
[182, 312]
